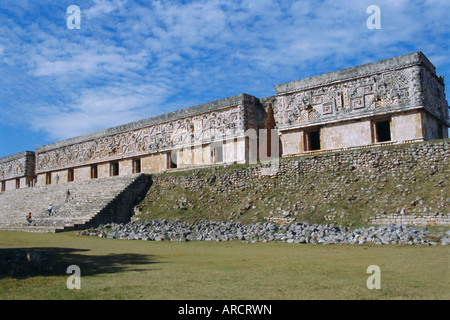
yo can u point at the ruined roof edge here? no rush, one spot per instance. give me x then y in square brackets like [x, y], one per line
[355, 72]
[177, 114]
[16, 156]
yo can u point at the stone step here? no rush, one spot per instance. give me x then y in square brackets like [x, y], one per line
[87, 203]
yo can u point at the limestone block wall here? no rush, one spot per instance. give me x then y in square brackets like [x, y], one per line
[432, 128]
[433, 92]
[385, 183]
[17, 171]
[103, 170]
[420, 220]
[345, 135]
[292, 143]
[196, 155]
[156, 162]
[234, 151]
[407, 126]
[82, 173]
[126, 167]
[62, 174]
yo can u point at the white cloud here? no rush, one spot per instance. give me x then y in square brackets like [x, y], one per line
[133, 59]
[95, 109]
[102, 7]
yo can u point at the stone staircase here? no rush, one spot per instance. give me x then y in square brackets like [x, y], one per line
[89, 203]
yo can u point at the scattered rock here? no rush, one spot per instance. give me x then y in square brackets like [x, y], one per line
[297, 232]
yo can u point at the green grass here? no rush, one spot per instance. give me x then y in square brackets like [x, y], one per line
[121, 269]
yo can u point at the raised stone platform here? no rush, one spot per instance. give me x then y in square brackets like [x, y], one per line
[76, 205]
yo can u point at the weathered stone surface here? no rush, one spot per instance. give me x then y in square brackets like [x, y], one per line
[17, 165]
[159, 230]
[75, 205]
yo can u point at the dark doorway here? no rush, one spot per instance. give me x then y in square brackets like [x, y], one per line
[315, 140]
[137, 166]
[115, 169]
[48, 178]
[70, 175]
[94, 171]
[383, 131]
[311, 140]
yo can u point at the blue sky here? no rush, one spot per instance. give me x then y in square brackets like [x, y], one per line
[136, 59]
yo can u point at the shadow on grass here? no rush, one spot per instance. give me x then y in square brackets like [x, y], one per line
[23, 263]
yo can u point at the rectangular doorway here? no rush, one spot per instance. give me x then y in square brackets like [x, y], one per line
[114, 169]
[382, 131]
[136, 165]
[48, 178]
[70, 175]
[312, 140]
[94, 171]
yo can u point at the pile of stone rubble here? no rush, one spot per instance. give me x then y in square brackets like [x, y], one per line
[160, 230]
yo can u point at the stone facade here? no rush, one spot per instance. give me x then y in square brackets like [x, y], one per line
[180, 139]
[17, 171]
[391, 101]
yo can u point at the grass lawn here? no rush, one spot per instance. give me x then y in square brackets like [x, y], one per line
[122, 269]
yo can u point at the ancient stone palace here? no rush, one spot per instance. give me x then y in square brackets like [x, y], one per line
[392, 101]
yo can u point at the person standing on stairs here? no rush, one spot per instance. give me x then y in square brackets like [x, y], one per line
[50, 209]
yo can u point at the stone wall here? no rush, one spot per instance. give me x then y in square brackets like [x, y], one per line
[422, 220]
[344, 105]
[398, 181]
[210, 122]
[17, 165]
[17, 171]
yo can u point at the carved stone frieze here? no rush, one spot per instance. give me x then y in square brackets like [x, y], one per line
[203, 128]
[16, 166]
[379, 91]
[434, 95]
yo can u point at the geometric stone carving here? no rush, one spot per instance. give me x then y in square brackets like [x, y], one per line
[18, 165]
[377, 91]
[207, 127]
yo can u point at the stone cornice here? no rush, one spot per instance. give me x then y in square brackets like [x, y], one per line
[417, 58]
[164, 118]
